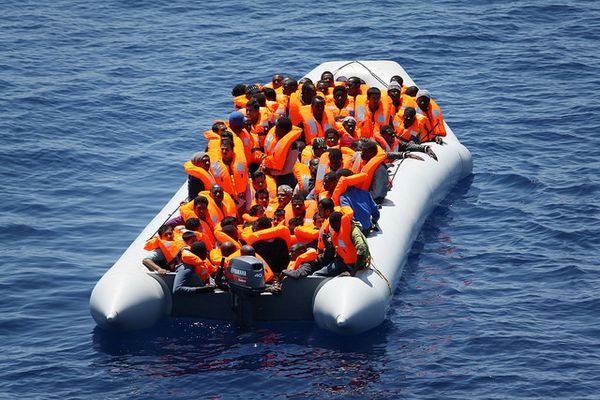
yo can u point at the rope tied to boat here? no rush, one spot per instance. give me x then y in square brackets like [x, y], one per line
[378, 272]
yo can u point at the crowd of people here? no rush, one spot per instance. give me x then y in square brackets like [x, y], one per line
[294, 176]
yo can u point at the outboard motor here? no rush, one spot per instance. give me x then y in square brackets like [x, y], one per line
[246, 278]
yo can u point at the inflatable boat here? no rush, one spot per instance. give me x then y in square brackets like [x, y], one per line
[129, 296]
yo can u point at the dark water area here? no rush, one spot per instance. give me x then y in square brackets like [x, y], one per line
[102, 103]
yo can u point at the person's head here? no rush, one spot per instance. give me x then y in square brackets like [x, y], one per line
[301, 146]
[189, 238]
[349, 124]
[251, 90]
[297, 249]
[332, 137]
[369, 149]
[231, 231]
[236, 121]
[201, 206]
[253, 110]
[257, 210]
[262, 197]
[394, 90]
[199, 248]
[318, 220]
[340, 95]
[353, 85]
[327, 76]
[294, 222]
[290, 85]
[248, 123]
[325, 207]
[322, 87]
[259, 180]
[283, 126]
[409, 116]
[335, 159]
[330, 181]
[335, 221]
[261, 99]
[317, 106]
[277, 81]
[192, 224]
[423, 99]
[398, 79]
[227, 150]
[238, 90]
[298, 206]
[201, 159]
[284, 195]
[247, 250]
[279, 215]
[373, 97]
[226, 135]
[388, 134]
[411, 91]
[343, 172]
[227, 248]
[313, 166]
[165, 232]
[218, 127]
[217, 193]
[262, 223]
[270, 94]
[319, 146]
[229, 220]
[308, 92]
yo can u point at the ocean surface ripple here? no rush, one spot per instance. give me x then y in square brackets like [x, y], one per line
[102, 102]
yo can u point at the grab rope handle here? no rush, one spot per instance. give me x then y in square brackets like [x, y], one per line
[378, 272]
[365, 67]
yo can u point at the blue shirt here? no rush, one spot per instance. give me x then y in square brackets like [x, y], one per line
[363, 205]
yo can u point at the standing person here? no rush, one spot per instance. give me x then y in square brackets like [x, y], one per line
[231, 173]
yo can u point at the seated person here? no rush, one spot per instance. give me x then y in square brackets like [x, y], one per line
[303, 261]
[272, 243]
[351, 249]
[192, 275]
[163, 251]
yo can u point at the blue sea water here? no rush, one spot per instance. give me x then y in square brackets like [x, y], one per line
[101, 102]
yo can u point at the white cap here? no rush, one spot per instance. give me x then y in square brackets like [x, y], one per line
[423, 93]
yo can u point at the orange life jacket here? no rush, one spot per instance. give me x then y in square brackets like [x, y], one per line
[369, 167]
[279, 231]
[370, 121]
[294, 106]
[302, 174]
[306, 233]
[204, 268]
[394, 147]
[235, 180]
[216, 214]
[187, 211]
[433, 123]
[356, 180]
[179, 230]
[198, 172]
[340, 113]
[309, 255]
[240, 102]
[413, 132]
[169, 248]
[342, 240]
[312, 128]
[310, 207]
[223, 237]
[262, 124]
[283, 108]
[276, 150]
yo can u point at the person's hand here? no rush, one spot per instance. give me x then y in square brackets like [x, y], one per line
[439, 140]
[413, 156]
[162, 271]
[430, 152]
